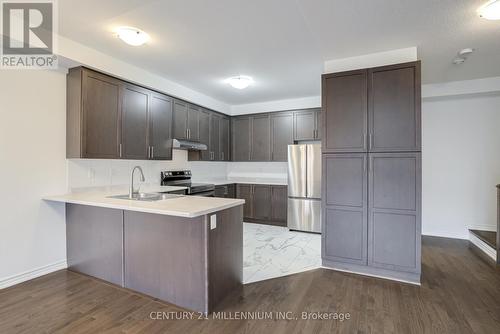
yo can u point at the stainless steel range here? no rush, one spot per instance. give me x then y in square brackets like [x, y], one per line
[182, 178]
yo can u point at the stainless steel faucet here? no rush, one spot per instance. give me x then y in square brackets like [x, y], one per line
[132, 191]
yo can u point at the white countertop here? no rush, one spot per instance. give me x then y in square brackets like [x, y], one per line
[243, 180]
[184, 206]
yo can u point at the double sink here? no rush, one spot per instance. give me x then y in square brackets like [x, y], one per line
[147, 197]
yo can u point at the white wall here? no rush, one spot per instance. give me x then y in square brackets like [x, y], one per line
[371, 60]
[32, 164]
[74, 53]
[278, 105]
[461, 163]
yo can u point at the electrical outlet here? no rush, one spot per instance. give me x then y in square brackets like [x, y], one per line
[213, 222]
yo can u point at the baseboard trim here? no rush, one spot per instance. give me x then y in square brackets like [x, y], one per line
[491, 228]
[483, 246]
[31, 274]
[410, 278]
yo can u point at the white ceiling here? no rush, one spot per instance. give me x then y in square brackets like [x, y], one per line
[282, 44]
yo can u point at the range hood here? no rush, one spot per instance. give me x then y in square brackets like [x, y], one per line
[182, 144]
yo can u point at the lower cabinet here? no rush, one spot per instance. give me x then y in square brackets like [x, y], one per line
[264, 204]
[394, 227]
[225, 191]
[345, 208]
[372, 213]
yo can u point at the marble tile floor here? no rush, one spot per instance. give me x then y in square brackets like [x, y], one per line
[273, 251]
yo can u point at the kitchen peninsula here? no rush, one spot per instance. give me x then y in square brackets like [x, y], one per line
[185, 250]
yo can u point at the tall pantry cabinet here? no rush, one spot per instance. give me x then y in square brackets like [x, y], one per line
[372, 171]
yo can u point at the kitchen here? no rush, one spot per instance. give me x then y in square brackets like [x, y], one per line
[175, 168]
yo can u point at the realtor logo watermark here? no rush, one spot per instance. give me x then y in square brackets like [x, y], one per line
[28, 34]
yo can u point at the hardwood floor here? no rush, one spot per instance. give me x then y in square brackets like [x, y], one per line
[459, 294]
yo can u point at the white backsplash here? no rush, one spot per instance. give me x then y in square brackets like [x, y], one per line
[84, 173]
[261, 170]
[208, 170]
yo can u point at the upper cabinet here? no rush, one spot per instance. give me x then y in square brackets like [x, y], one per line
[134, 130]
[346, 112]
[225, 136]
[160, 133]
[108, 118]
[241, 138]
[281, 135]
[260, 141]
[193, 130]
[180, 120]
[394, 108]
[306, 124]
[93, 115]
[204, 136]
[214, 146]
[373, 110]
[186, 121]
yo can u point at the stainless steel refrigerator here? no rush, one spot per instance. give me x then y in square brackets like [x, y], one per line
[304, 187]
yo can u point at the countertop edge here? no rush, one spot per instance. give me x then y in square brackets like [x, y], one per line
[147, 210]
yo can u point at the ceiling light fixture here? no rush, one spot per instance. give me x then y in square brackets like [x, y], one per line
[132, 36]
[240, 82]
[490, 10]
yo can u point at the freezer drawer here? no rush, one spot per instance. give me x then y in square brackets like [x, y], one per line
[304, 215]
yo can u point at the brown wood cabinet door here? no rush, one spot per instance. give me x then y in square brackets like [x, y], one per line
[225, 143]
[214, 147]
[244, 191]
[231, 191]
[241, 138]
[319, 124]
[345, 204]
[135, 120]
[193, 122]
[394, 105]
[204, 121]
[304, 125]
[101, 103]
[281, 135]
[180, 120]
[261, 203]
[279, 202]
[260, 148]
[160, 133]
[394, 211]
[345, 112]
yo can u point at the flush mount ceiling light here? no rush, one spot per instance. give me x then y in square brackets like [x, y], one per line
[132, 36]
[240, 82]
[490, 10]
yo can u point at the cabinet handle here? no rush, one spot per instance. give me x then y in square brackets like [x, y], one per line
[364, 164]
[120, 149]
[365, 144]
[222, 156]
[370, 145]
[152, 152]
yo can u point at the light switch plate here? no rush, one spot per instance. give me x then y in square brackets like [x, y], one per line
[213, 222]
